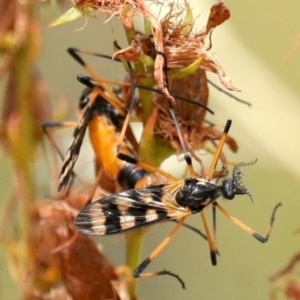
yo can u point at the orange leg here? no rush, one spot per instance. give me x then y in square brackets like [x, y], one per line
[248, 230]
[155, 253]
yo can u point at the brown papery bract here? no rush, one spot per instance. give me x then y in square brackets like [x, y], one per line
[183, 46]
[69, 260]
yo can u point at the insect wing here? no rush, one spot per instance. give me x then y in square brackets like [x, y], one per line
[74, 149]
[127, 210]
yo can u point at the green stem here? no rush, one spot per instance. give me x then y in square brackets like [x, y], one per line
[134, 245]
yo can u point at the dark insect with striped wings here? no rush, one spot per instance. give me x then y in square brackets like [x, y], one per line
[176, 200]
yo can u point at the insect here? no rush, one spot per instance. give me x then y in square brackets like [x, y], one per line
[175, 200]
[125, 107]
[105, 124]
[191, 118]
[106, 117]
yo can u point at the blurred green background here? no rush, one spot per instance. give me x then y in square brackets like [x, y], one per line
[252, 47]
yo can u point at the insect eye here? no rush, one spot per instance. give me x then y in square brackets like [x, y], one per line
[84, 99]
[228, 189]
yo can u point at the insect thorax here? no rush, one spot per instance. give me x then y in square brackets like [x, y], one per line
[101, 108]
[197, 193]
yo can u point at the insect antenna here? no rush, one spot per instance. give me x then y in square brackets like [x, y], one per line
[187, 157]
[237, 174]
[228, 94]
[85, 79]
[209, 81]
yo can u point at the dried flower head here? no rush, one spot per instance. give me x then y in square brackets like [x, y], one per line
[183, 47]
[184, 50]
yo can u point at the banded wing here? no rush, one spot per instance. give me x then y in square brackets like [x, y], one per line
[74, 149]
[129, 210]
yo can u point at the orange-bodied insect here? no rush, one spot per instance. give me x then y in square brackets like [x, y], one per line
[191, 89]
[105, 124]
[119, 163]
[105, 116]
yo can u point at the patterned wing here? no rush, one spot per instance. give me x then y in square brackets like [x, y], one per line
[128, 210]
[74, 149]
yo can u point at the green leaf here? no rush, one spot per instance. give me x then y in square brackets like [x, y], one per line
[72, 14]
[183, 72]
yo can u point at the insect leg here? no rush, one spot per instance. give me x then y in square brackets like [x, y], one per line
[110, 96]
[128, 158]
[176, 124]
[211, 242]
[195, 230]
[248, 230]
[133, 103]
[82, 78]
[214, 218]
[219, 149]
[74, 53]
[46, 126]
[155, 90]
[138, 271]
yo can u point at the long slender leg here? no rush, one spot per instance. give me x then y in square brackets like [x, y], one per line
[211, 244]
[212, 238]
[111, 97]
[138, 271]
[74, 52]
[84, 78]
[176, 124]
[192, 228]
[219, 149]
[46, 126]
[195, 230]
[248, 230]
[214, 218]
[90, 53]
